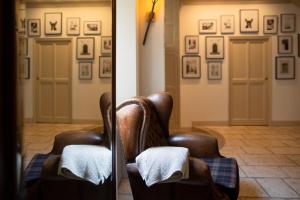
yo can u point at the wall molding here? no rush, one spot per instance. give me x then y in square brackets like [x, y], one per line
[210, 123]
[284, 123]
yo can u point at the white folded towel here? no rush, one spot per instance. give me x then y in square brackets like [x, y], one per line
[163, 164]
[86, 162]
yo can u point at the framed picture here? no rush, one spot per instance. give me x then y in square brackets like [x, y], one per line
[270, 24]
[227, 24]
[34, 27]
[298, 45]
[214, 47]
[85, 48]
[288, 23]
[106, 44]
[22, 25]
[191, 44]
[105, 66]
[85, 70]
[92, 27]
[249, 21]
[53, 23]
[73, 26]
[285, 67]
[285, 44]
[27, 68]
[207, 26]
[214, 70]
[191, 66]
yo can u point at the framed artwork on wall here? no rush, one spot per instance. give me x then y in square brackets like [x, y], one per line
[53, 23]
[85, 70]
[27, 68]
[191, 66]
[249, 21]
[288, 23]
[34, 27]
[73, 26]
[191, 44]
[207, 26]
[214, 46]
[227, 24]
[106, 44]
[85, 48]
[214, 70]
[285, 44]
[285, 67]
[105, 64]
[270, 24]
[92, 27]
[22, 25]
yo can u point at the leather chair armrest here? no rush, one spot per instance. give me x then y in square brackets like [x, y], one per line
[199, 145]
[77, 137]
[50, 168]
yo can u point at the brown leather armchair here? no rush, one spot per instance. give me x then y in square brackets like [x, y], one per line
[52, 186]
[143, 123]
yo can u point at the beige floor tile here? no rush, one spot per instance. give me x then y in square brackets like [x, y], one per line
[256, 150]
[124, 187]
[293, 172]
[277, 188]
[294, 183]
[285, 150]
[267, 160]
[262, 171]
[250, 188]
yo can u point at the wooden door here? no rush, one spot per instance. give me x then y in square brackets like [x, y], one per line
[53, 80]
[249, 92]
[172, 72]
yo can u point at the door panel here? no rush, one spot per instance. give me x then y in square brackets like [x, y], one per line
[248, 81]
[53, 81]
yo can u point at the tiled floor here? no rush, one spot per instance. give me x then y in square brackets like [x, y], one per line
[269, 160]
[269, 157]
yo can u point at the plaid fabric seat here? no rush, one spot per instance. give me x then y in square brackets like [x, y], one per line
[34, 169]
[223, 171]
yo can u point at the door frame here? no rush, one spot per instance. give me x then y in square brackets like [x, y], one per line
[35, 70]
[268, 39]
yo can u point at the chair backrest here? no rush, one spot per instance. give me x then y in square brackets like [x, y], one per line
[140, 123]
[105, 108]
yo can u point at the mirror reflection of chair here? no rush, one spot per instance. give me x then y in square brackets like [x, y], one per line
[42, 179]
[144, 123]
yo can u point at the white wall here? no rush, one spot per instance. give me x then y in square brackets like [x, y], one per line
[203, 100]
[152, 54]
[85, 94]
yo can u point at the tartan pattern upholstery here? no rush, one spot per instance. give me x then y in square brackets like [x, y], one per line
[223, 171]
[34, 168]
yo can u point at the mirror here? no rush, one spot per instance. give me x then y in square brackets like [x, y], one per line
[65, 69]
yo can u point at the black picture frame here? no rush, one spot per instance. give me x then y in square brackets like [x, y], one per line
[26, 68]
[256, 29]
[34, 31]
[84, 55]
[209, 65]
[53, 27]
[186, 39]
[197, 67]
[279, 76]
[210, 56]
[282, 23]
[280, 38]
[89, 64]
[265, 25]
[102, 65]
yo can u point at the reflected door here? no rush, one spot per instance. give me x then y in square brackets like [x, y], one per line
[53, 80]
[249, 81]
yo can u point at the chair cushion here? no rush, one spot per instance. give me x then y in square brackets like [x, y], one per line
[223, 171]
[34, 168]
